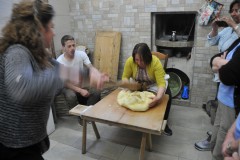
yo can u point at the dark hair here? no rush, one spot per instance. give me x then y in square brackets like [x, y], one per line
[43, 12]
[24, 27]
[232, 4]
[143, 51]
[65, 39]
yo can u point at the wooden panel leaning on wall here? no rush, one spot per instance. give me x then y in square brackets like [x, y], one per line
[106, 53]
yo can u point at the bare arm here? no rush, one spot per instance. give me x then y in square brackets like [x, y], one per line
[214, 31]
[232, 24]
[158, 97]
[97, 79]
[75, 88]
[89, 66]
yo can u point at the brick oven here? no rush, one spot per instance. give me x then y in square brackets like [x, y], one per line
[165, 25]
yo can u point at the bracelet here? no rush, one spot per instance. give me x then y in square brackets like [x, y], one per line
[235, 28]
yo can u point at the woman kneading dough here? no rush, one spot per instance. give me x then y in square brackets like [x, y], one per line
[147, 69]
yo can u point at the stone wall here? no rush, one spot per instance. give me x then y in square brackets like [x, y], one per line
[132, 18]
[5, 12]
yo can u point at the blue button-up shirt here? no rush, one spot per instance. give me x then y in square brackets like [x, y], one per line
[225, 92]
[237, 130]
[223, 39]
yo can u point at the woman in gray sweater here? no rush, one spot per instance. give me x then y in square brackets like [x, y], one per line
[29, 80]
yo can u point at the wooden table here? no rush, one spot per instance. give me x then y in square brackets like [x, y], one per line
[108, 111]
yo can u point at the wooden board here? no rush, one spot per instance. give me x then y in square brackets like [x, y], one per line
[106, 53]
[78, 109]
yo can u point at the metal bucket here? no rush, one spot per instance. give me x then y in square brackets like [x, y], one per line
[175, 84]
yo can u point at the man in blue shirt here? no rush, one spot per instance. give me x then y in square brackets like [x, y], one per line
[230, 75]
[227, 96]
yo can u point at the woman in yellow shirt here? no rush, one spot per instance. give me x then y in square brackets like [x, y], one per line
[147, 69]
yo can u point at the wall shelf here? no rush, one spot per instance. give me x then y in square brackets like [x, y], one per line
[167, 43]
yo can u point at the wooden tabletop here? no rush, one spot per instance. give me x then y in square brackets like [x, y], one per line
[110, 112]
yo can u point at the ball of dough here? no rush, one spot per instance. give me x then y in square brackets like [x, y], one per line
[136, 101]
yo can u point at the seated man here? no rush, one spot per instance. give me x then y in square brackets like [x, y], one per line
[77, 60]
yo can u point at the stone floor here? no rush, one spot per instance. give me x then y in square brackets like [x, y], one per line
[188, 125]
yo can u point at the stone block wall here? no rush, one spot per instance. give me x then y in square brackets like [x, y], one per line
[133, 19]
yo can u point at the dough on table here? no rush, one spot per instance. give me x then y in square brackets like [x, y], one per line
[136, 101]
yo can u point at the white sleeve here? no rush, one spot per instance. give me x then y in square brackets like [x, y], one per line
[84, 57]
[59, 59]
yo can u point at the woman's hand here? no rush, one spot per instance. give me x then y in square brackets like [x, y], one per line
[156, 99]
[154, 102]
[229, 21]
[214, 24]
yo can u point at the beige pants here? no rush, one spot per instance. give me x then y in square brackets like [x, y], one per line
[70, 97]
[225, 117]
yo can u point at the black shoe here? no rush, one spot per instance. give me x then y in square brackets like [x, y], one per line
[167, 131]
[209, 133]
[80, 121]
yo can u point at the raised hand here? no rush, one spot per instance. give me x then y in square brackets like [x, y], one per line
[97, 79]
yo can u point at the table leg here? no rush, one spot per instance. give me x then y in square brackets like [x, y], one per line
[95, 129]
[84, 136]
[149, 141]
[142, 148]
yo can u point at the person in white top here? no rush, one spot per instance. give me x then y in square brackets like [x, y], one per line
[81, 63]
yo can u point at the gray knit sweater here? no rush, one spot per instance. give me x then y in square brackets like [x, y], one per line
[26, 93]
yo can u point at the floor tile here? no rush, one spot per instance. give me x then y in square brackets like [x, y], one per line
[65, 136]
[65, 152]
[187, 123]
[106, 149]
